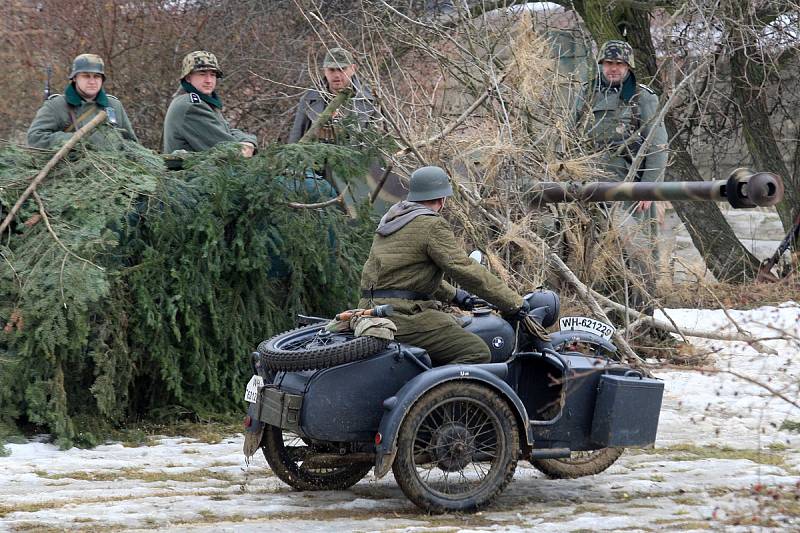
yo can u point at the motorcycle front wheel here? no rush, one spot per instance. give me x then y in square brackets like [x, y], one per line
[286, 452]
[457, 448]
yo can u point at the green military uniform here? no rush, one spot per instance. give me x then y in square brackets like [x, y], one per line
[412, 250]
[194, 120]
[194, 125]
[63, 114]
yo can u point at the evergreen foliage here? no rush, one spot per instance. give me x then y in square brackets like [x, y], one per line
[163, 281]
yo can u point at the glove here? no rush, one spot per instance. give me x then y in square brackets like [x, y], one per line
[518, 314]
[464, 300]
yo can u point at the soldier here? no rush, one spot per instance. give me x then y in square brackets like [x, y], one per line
[617, 115]
[412, 250]
[63, 114]
[194, 120]
[340, 73]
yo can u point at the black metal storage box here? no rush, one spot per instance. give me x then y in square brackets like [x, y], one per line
[626, 412]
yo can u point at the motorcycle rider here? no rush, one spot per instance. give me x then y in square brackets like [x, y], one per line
[412, 250]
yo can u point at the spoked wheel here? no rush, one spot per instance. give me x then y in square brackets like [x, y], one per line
[312, 347]
[578, 464]
[457, 449]
[286, 453]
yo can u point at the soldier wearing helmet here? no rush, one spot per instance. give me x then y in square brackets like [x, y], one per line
[413, 249]
[63, 114]
[617, 115]
[194, 120]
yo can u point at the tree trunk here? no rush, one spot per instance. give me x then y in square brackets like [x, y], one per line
[711, 234]
[748, 74]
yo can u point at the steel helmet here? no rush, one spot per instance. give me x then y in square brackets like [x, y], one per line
[88, 63]
[616, 51]
[429, 183]
[200, 60]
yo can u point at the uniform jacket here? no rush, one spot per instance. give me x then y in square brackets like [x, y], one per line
[415, 256]
[609, 120]
[312, 103]
[52, 126]
[194, 125]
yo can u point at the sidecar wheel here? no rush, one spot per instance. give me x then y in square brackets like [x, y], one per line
[312, 347]
[457, 449]
[284, 453]
[579, 464]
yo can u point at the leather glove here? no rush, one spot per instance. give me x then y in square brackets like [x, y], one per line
[517, 314]
[464, 300]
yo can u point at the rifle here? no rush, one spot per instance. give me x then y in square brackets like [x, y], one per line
[764, 270]
[48, 73]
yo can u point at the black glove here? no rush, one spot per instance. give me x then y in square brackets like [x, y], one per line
[464, 300]
[517, 314]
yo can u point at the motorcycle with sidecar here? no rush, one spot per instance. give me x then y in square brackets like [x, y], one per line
[327, 407]
[452, 435]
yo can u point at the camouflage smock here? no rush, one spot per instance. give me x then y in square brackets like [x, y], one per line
[415, 258]
[53, 126]
[194, 125]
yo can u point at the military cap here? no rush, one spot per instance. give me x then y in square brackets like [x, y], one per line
[338, 58]
[429, 183]
[616, 51]
[200, 60]
[88, 63]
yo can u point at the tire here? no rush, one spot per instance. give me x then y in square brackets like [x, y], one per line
[461, 419]
[284, 452]
[580, 464]
[311, 347]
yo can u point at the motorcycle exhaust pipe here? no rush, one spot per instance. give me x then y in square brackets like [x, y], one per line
[551, 453]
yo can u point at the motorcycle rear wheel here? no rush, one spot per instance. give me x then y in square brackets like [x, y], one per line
[285, 452]
[579, 464]
[311, 348]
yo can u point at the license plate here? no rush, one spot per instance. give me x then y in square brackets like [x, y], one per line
[251, 393]
[582, 323]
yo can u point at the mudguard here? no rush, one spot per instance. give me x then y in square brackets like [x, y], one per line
[560, 337]
[397, 406]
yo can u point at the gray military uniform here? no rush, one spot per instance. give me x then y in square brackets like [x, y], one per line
[608, 121]
[313, 102]
[57, 120]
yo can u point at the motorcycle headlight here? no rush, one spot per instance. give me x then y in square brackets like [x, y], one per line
[546, 300]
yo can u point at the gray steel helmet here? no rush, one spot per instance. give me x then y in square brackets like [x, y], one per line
[88, 63]
[429, 183]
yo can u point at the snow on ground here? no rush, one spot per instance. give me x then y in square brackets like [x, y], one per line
[722, 461]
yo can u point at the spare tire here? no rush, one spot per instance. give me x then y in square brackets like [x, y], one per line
[311, 348]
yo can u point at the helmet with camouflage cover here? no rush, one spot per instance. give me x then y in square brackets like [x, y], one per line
[88, 63]
[616, 51]
[429, 183]
[200, 60]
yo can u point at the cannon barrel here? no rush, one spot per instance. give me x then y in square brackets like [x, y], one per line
[743, 188]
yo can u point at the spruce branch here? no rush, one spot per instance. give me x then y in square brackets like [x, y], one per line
[98, 119]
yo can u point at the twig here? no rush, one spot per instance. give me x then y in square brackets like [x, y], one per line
[86, 128]
[684, 332]
[53, 233]
[378, 186]
[326, 203]
[743, 377]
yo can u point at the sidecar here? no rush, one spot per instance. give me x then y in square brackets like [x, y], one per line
[453, 434]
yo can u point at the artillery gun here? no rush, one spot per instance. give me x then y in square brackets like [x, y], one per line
[743, 189]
